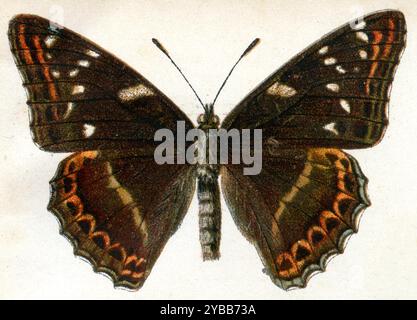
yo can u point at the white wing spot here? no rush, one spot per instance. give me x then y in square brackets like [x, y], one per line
[363, 54]
[331, 127]
[345, 105]
[88, 130]
[281, 90]
[359, 25]
[83, 63]
[324, 50]
[333, 87]
[330, 61]
[50, 41]
[389, 90]
[92, 53]
[78, 89]
[30, 116]
[73, 73]
[135, 92]
[48, 56]
[362, 36]
[340, 69]
[356, 69]
[56, 74]
[386, 110]
[70, 107]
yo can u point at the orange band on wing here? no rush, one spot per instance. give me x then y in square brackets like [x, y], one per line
[23, 45]
[51, 86]
[390, 40]
[374, 66]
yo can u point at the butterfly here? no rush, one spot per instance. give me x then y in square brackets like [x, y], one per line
[119, 208]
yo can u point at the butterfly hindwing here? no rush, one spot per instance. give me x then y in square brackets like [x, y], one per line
[299, 211]
[81, 97]
[119, 210]
[333, 94]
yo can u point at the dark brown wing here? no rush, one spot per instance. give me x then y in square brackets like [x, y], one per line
[81, 97]
[333, 94]
[299, 211]
[119, 209]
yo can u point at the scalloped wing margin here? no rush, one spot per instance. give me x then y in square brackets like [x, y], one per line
[316, 268]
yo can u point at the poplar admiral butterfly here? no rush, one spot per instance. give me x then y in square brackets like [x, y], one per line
[119, 208]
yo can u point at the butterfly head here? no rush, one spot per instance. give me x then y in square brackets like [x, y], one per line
[208, 120]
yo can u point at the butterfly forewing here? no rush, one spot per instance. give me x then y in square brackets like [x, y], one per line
[81, 97]
[335, 93]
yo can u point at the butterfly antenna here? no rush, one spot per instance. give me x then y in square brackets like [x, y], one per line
[248, 49]
[161, 47]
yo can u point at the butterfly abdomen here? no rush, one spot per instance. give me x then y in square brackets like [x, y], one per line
[209, 211]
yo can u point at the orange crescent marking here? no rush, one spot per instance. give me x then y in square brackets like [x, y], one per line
[292, 271]
[77, 203]
[51, 86]
[23, 45]
[104, 236]
[137, 275]
[374, 66]
[391, 36]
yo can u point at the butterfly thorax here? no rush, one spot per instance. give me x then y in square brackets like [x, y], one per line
[208, 194]
[208, 121]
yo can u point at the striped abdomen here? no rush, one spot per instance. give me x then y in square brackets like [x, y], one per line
[209, 211]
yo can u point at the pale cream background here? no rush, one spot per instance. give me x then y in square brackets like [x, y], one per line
[205, 38]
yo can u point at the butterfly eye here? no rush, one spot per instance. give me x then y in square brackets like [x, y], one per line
[201, 118]
[216, 120]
